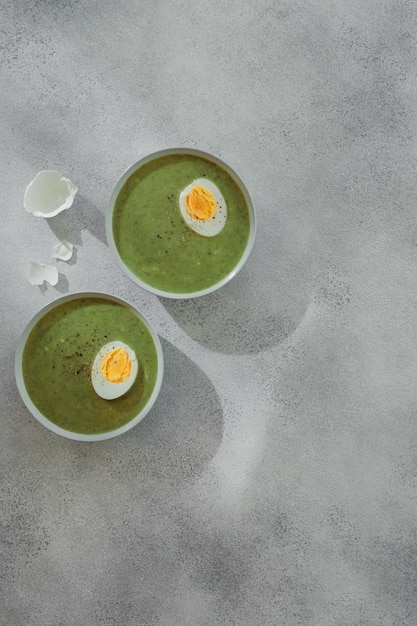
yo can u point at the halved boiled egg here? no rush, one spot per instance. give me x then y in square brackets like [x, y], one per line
[203, 207]
[114, 370]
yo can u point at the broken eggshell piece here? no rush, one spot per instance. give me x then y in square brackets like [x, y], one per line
[63, 251]
[38, 273]
[48, 194]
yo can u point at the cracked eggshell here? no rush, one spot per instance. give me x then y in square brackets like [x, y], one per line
[48, 194]
[38, 273]
[63, 251]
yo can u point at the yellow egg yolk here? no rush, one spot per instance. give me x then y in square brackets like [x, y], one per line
[200, 203]
[116, 366]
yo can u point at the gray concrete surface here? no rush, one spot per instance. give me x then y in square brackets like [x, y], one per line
[274, 482]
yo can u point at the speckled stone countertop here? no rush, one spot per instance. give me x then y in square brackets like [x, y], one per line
[274, 481]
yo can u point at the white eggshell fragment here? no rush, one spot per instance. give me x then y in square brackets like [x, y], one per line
[48, 194]
[63, 251]
[39, 273]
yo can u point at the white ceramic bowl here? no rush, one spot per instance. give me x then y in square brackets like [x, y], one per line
[110, 211]
[42, 418]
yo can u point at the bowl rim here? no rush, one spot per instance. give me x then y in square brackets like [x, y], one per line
[109, 222]
[39, 415]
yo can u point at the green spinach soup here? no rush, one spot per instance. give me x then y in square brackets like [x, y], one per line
[58, 357]
[154, 241]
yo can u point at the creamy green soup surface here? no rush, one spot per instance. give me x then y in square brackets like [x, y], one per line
[58, 356]
[152, 238]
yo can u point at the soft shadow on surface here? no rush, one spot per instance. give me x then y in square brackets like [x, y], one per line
[240, 318]
[83, 215]
[183, 431]
[62, 285]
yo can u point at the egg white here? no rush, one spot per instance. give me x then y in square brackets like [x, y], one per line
[212, 226]
[103, 387]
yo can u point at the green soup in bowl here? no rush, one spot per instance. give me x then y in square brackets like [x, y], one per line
[54, 363]
[153, 243]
